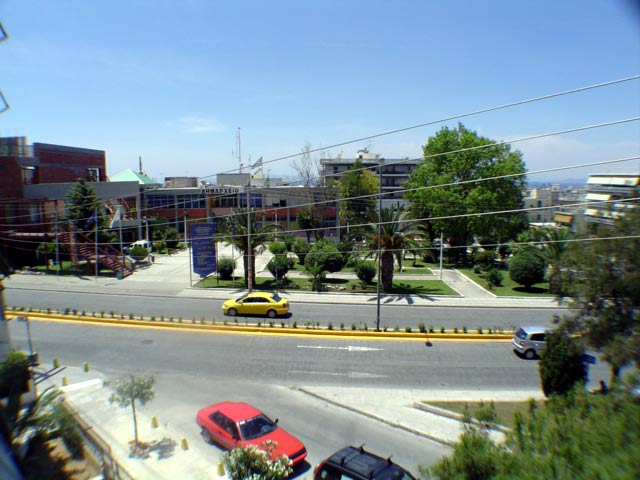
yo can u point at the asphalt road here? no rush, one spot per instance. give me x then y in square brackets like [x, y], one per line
[325, 313]
[194, 369]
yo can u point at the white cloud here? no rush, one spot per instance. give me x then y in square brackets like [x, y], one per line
[195, 124]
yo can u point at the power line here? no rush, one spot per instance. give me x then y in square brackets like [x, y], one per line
[453, 117]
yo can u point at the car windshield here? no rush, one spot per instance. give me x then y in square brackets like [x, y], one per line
[256, 427]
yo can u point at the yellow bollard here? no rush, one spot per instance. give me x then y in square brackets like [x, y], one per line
[64, 381]
[154, 422]
[184, 444]
[220, 469]
[85, 366]
[56, 363]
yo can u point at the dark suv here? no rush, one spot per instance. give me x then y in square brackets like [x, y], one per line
[358, 464]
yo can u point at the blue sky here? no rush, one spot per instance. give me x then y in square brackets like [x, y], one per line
[171, 81]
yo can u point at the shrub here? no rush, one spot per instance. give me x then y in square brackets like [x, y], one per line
[486, 259]
[138, 253]
[407, 329]
[526, 268]
[325, 253]
[493, 277]
[288, 241]
[365, 271]
[301, 247]
[277, 248]
[279, 266]
[226, 266]
[561, 365]
[422, 328]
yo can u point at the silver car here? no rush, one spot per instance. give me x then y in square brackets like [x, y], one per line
[529, 341]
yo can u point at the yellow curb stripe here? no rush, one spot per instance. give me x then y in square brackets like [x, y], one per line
[253, 330]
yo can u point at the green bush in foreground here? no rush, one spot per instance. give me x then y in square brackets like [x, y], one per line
[580, 435]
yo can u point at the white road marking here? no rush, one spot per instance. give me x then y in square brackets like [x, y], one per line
[350, 348]
[340, 374]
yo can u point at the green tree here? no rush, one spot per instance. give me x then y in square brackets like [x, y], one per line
[301, 248]
[526, 268]
[129, 392]
[365, 271]
[84, 208]
[307, 221]
[171, 238]
[44, 251]
[235, 232]
[280, 264]
[577, 435]
[554, 249]
[602, 278]
[561, 366]
[253, 463]
[395, 231]
[325, 252]
[464, 193]
[357, 189]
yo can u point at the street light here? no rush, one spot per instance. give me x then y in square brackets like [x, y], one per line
[379, 244]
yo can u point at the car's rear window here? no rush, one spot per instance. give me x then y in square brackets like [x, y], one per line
[276, 297]
[521, 334]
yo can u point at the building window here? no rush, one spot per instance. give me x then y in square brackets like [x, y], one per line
[28, 175]
[93, 174]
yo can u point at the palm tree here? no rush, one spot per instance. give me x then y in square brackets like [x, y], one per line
[237, 234]
[557, 244]
[395, 231]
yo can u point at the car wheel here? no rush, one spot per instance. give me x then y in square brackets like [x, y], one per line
[232, 312]
[206, 435]
[530, 354]
[271, 314]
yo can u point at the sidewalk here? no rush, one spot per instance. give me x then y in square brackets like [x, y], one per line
[169, 276]
[88, 393]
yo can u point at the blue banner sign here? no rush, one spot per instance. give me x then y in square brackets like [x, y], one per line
[204, 248]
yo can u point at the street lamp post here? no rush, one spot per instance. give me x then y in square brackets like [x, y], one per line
[249, 249]
[379, 245]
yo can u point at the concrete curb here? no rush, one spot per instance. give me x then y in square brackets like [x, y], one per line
[452, 415]
[428, 436]
[190, 324]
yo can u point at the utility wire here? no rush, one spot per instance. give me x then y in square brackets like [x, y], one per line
[447, 119]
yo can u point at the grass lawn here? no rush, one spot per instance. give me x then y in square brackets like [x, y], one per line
[509, 288]
[400, 287]
[504, 410]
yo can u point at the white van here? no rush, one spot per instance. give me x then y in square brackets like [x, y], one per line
[140, 243]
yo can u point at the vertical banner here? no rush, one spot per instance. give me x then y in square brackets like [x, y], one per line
[204, 248]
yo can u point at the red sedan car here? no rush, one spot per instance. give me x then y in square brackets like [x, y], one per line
[237, 424]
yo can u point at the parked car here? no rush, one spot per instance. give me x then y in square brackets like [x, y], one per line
[257, 303]
[358, 464]
[529, 341]
[237, 424]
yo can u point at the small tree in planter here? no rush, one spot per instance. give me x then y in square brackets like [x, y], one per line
[128, 392]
